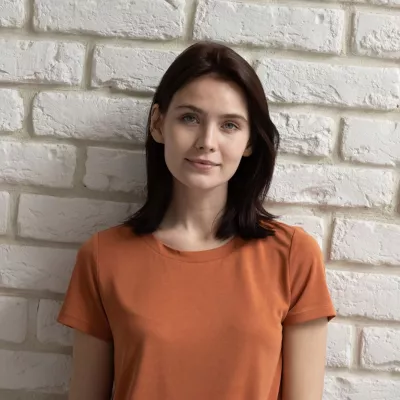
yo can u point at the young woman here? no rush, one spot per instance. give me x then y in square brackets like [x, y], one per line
[202, 294]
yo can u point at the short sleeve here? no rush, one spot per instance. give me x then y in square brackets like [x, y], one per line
[83, 308]
[309, 294]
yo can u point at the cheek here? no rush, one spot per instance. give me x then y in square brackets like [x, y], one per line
[176, 138]
[173, 148]
[174, 152]
[170, 156]
[233, 152]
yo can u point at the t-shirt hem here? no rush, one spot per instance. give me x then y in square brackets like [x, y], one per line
[83, 326]
[309, 315]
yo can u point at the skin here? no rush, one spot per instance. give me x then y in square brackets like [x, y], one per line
[92, 376]
[207, 119]
[199, 124]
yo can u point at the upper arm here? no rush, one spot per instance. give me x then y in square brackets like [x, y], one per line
[92, 376]
[84, 306]
[305, 324]
[304, 354]
[309, 294]
[84, 310]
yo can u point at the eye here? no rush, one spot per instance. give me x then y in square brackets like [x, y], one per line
[230, 126]
[189, 118]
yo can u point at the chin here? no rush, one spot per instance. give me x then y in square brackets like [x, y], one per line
[202, 183]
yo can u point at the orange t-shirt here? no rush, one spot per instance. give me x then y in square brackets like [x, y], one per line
[196, 325]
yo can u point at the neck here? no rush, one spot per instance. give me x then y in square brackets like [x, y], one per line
[195, 212]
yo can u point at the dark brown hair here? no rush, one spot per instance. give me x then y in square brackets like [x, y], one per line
[244, 214]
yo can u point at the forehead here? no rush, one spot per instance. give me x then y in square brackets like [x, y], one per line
[213, 95]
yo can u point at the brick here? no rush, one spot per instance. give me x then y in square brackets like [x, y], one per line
[302, 28]
[41, 164]
[377, 35]
[121, 170]
[45, 62]
[366, 241]
[371, 141]
[14, 319]
[304, 134]
[36, 268]
[313, 225]
[378, 2]
[34, 371]
[66, 219]
[29, 395]
[380, 349]
[128, 68]
[341, 388]
[12, 13]
[48, 329]
[4, 213]
[332, 185]
[369, 295]
[338, 346]
[155, 19]
[11, 110]
[325, 84]
[89, 116]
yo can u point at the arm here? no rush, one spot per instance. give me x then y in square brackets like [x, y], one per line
[304, 352]
[92, 376]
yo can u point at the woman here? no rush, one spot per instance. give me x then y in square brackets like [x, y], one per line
[202, 294]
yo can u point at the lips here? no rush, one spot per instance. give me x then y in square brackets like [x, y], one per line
[203, 162]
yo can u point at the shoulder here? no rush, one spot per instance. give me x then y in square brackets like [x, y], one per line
[108, 240]
[110, 252]
[116, 235]
[291, 239]
[285, 234]
[302, 252]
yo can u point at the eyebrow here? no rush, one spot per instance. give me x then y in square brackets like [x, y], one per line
[200, 111]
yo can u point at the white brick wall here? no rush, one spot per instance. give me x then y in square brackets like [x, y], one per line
[332, 185]
[11, 110]
[361, 388]
[381, 349]
[48, 330]
[371, 141]
[14, 310]
[12, 13]
[115, 170]
[377, 35]
[305, 134]
[37, 164]
[42, 62]
[155, 19]
[75, 87]
[329, 84]
[379, 244]
[67, 220]
[128, 68]
[30, 371]
[4, 206]
[36, 268]
[339, 345]
[367, 295]
[80, 115]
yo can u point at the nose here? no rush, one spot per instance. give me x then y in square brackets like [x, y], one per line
[206, 139]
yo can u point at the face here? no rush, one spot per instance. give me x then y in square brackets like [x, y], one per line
[205, 132]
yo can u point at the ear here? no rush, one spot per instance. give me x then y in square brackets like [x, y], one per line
[248, 151]
[156, 124]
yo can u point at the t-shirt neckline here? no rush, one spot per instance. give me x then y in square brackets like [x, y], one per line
[192, 256]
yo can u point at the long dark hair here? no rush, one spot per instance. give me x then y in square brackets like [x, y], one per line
[244, 214]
